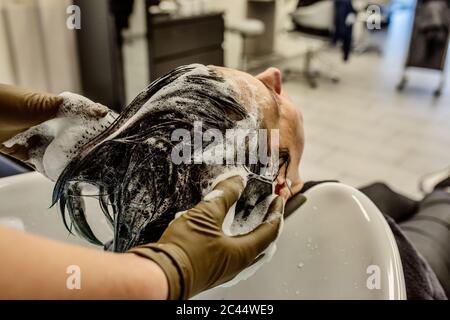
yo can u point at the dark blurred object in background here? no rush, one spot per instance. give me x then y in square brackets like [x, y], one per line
[429, 40]
[430, 34]
[100, 54]
[343, 28]
[121, 10]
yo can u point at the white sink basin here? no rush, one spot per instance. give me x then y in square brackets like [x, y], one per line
[332, 247]
[329, 248]
[27, 198]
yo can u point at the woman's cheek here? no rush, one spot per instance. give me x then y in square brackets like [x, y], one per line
[283, 191]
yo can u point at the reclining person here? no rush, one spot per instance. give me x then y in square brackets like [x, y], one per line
[126, 159]
[233, 95]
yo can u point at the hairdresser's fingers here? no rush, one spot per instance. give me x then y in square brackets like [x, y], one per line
[79, 105]
[96, 111]
[21, 152]
[21, 108]
[17, 151]
[220, 200]
[254, 242]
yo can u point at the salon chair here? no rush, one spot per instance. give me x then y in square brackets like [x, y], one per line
[335, 246]
[314, 24]
[246, 29]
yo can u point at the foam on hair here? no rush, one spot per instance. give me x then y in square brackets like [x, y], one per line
[140, 188]
[63, 137]
[125, 159]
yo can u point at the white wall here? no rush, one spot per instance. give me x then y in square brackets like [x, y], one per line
[60, 48]
[26, 43]
[6, 71]
[36, 48]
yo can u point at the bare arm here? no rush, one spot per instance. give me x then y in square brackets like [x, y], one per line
[33, 267]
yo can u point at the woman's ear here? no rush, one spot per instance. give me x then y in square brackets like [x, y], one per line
[271, 78]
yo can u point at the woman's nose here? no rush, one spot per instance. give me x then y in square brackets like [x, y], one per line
[272, 78]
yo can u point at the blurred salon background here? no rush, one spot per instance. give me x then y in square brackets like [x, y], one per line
[369, 75]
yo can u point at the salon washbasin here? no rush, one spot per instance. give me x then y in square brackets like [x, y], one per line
[336, 246]
[25, 202]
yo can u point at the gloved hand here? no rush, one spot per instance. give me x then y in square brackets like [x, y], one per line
[21, 109]
[194, 252]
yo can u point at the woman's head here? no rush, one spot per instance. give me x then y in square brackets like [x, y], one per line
[140, 188]
[263, 94]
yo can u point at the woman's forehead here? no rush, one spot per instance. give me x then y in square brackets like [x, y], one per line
[252, 93]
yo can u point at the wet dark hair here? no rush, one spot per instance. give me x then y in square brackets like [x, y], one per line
[139, 188]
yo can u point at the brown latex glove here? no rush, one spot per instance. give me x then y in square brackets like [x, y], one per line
[21, 109]
[194, 252]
